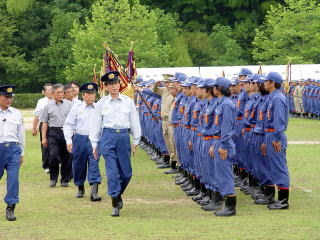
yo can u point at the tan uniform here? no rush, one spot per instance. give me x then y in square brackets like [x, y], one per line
[297, 98]
[167, 101]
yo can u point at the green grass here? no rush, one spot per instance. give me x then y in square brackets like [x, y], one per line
[155, 208]
[303, 129]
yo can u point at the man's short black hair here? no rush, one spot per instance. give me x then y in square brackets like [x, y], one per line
[209, 90]
[277, 85]
[46, 85]
[74, 83]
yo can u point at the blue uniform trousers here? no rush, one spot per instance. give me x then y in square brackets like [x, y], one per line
[247, 137]
[186, 153]
[210, 166]
[239, 142]
[116, 150]
[194, 153]
[223, 171]
[10, 160]
[262, 164]
[177, 139]
[159, 137]
[83, 160]
[277, 161]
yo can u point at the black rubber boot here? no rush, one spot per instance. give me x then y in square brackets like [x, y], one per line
[10, 212]
[268, 197]
[166, 162]
[94, 193]
[249, 188]
[210, 205]
[115, 207]
[282, 202]
[206, 199]
[120, 202]
[196, 189]
[244, 180]
[80, 193]
[173, 169]
[229, 207]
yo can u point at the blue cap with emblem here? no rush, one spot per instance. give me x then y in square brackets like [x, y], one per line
[110, 77]
[200, 83]
[254, 78]
[89, 87]
[274, 77]
[7, 90]
[244, 72]
[222, 82]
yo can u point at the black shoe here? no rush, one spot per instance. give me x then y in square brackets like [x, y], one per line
[215, 204]
[10, 212]
[80, 191]
[229, 207]
[115, 207]
[282, 203]
[267, 197]
[64, 184]
[171, 171]
[193, 192]
[164, 165]
[181, 181]
[94, 193]
[279, 205]
[199, 196]
[160, 161]
[187, 187]
[204, 201]
[53, 183]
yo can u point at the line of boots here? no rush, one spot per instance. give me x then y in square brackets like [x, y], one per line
[162, 160]
[208, 199]
[262, 195]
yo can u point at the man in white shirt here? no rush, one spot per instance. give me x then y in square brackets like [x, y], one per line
[46, 91]
[12, 141]
[76, 133]
[116, 117]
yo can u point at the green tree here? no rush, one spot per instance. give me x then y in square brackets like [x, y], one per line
[118, 23]
[13, 67]
[290, 32]
[224, 49]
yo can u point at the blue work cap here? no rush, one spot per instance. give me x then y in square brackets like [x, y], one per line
[222, 82]
[274, 77]
[181, 78]
[244, 72]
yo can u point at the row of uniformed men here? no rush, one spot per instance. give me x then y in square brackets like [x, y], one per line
[221, 134]
[86, 130]
[304, 98]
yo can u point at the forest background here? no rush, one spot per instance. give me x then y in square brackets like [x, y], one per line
[54, 41]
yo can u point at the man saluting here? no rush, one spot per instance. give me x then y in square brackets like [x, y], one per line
[116, 116]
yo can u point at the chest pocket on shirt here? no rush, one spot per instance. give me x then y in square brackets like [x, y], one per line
[12, 123]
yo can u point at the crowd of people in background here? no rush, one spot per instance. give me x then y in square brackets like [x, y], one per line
[304, 98]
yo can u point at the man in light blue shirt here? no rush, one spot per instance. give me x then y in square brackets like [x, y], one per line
[76, 133]
[116, 116]
[12, 140]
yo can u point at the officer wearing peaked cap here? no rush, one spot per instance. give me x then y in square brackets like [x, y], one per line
[76, 132]
[115, 118]
[12, 139]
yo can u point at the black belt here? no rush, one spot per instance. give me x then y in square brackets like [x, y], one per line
[56, 128]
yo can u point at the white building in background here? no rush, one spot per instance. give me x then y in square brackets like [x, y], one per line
[298, 71]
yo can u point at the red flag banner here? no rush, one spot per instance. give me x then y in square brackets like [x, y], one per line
[112, 64]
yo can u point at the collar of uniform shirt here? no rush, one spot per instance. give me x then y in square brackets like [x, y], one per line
[115, 99]
[9, 109]
[62, 101]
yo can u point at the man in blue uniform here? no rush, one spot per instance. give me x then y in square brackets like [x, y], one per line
[76, 132]
[11, 147]
[116, 116]
[275, 143]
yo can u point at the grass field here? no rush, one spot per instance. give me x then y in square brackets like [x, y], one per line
[155, 208]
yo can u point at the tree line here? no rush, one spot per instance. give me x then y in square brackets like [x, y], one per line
[61, 40]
